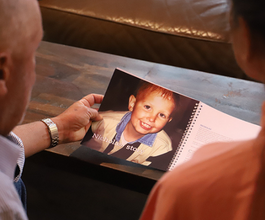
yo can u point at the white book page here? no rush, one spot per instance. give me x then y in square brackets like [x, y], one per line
[210, 125]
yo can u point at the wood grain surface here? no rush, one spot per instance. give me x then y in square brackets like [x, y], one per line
[66, 74]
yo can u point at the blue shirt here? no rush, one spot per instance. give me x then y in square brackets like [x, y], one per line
[148, 139]
[10, 203]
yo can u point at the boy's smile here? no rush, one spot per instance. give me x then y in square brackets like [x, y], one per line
[150, 113]
[145, 126]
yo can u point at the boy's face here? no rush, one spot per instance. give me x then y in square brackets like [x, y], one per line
[150, 113]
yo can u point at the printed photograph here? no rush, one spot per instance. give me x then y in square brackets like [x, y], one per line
[142, 122]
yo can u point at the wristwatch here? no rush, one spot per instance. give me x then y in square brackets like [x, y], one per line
[53, 131]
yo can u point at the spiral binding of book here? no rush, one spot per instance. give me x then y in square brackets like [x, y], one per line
[195, 113]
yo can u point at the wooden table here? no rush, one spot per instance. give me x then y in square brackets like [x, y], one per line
[66, 74]
[61, 187]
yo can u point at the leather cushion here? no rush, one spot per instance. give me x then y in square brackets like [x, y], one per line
[186, 33]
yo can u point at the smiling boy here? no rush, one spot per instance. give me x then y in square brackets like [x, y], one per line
[137, 134]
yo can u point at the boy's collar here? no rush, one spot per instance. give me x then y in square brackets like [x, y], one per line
[148, 139]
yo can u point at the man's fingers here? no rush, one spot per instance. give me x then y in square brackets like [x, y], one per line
[94, 115]
[91, 99]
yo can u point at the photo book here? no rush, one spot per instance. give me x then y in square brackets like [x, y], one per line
[151, 125]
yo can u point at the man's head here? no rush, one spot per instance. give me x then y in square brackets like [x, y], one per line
[152, 108]
[248, 36]
[20, 35]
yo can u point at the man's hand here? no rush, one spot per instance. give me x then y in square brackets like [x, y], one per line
[74, 122]
[72, 125]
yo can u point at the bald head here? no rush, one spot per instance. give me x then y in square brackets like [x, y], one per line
[20, 35]
[16, 20]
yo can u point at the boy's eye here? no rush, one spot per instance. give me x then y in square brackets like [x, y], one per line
[162, 115]
[147, 107]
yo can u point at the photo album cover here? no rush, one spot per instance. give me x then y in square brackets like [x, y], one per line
[151, 125]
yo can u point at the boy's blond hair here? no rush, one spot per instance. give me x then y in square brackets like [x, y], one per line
[145, 88]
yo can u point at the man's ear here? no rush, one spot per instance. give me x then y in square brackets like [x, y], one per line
[132, 101]
[3, 74]
[170, 119]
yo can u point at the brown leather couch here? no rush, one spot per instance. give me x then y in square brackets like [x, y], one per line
[192, 34]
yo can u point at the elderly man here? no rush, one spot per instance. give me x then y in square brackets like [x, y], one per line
[20, 35]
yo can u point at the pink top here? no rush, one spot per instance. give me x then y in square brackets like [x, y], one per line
[221, 181]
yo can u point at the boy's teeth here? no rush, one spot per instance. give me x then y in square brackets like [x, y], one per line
[146, 125]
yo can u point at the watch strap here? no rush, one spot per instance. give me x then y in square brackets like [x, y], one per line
[53, 131]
